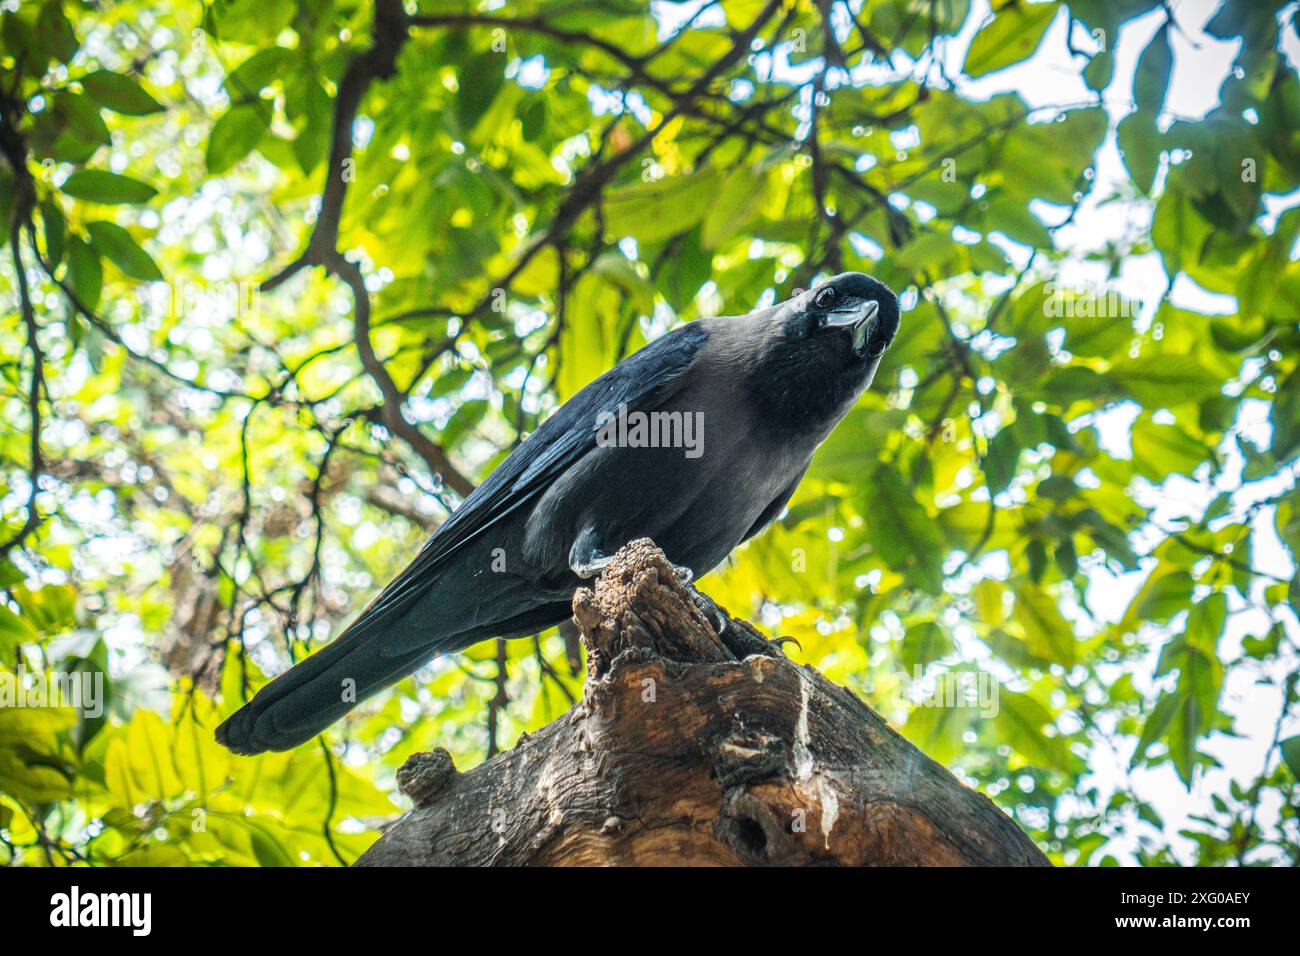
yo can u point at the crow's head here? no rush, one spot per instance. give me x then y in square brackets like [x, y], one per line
[820, 349]
[846, 322]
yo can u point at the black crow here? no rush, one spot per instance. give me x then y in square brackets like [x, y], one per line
[697, 441]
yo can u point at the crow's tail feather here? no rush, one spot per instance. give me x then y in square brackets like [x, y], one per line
[317, 691]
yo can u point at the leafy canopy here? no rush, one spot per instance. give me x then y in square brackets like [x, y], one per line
[1071, 478]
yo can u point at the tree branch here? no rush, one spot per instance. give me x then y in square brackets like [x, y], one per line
[15, 152]
[378, 62]
[681, 754]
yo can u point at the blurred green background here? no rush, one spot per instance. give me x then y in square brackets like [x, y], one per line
[1074, 477]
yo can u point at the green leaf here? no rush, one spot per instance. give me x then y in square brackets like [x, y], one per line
[1192, 706]
[1047, 633]
[1057, 488]
[120, 249]
[250, 21]
[1291, 754]
[21, 43]
[1139, 145]
[1048, 158]
[1010, 214]
[1097, 74]
[989, 607]
[923, 643]
[479, 79]
[1036, 555]
[1011, 649]
[1205, 623]
[1021, 721]
[56, 232]
[50, 609]
[1067, 559]
[686, 272]
[1099, 335]
[54, 32]
[464, 420]
[10, 575]
[1110, 537]
[1195, 702]
[737, 204]
[1159, 381]
[85, 272]
[652, 212]
[1000, 463]
[19, 723]
[1162, 450]
[234, 136]
[149, 757]
[119, 93]
[1285, 418]
[1264, 647]
[1156, 724]
[14, 631]
[266, 848]
[201, 763]
[100, 186]
[1153, 71]
[1011, 36]
[1163, 597]
[1178, 229]
[939, 731]
[258, 72]
[83, 129]
[901, 531]
[533, 119]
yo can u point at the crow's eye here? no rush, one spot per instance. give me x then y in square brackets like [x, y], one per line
[824, 298]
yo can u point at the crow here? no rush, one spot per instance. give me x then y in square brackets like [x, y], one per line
[697, 441]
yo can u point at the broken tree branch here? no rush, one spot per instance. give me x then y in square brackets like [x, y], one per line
[679, 753]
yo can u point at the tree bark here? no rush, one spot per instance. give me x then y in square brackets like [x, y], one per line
[681, 754]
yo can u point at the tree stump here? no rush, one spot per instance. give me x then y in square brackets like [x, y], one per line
[681, 754]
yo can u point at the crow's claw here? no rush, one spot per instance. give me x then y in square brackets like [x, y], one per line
[709, 608]
[737, 636]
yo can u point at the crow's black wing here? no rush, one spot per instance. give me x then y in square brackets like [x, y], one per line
[380, 647]
[642, 382]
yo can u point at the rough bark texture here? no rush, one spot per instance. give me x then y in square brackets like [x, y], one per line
[681, 754]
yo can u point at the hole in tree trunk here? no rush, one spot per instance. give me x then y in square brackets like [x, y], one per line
[751, 839]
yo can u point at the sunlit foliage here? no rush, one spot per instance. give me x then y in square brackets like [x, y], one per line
[1074, 480]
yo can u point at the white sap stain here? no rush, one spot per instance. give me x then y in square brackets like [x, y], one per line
[803, 765]
[830, 809]
[803, 760]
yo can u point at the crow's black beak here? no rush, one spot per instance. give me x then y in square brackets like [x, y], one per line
[860, 319]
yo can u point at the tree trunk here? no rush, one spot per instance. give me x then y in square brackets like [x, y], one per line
[681, 754]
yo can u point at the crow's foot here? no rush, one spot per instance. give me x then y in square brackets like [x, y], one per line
[739, 637]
